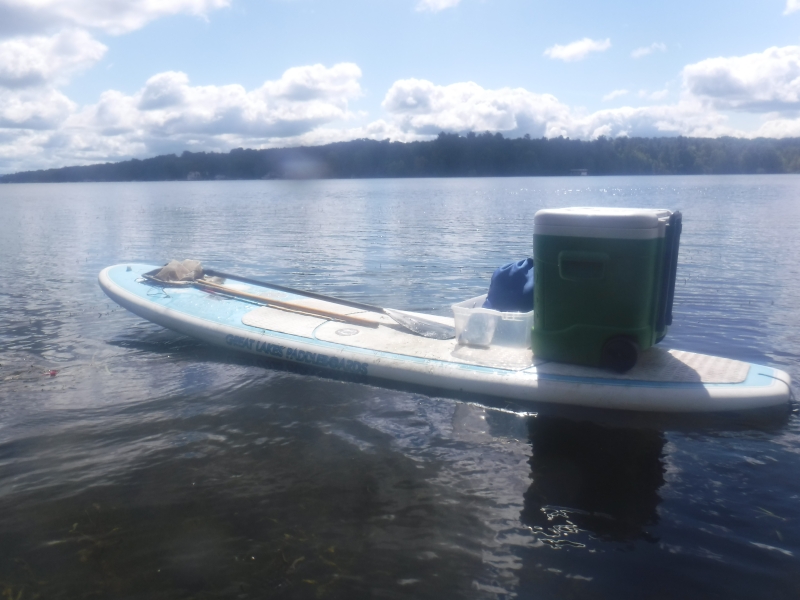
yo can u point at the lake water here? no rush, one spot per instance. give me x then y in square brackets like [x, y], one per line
[149, 465]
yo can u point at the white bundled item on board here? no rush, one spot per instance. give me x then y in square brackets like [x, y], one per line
[176, 270]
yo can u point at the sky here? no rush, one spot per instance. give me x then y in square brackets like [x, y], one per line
[87, 81]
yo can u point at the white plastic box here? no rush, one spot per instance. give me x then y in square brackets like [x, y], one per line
[476, 326]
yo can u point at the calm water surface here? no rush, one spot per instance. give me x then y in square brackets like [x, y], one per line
[153, 466]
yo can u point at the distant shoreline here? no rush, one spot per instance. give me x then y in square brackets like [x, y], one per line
[450, 155]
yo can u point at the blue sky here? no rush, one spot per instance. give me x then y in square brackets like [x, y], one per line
[85, 81]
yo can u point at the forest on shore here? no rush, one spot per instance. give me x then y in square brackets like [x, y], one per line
[451, 155]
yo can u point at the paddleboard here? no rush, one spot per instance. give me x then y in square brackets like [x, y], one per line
[663, 380]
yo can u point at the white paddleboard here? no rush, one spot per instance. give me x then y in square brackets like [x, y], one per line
[664, 380]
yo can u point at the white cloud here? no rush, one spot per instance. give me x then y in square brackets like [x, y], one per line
[170, 115]
[317, 82]
[38, 60]
[169, 107]
[776, 126]
[436, 5]
[577, 50]
[38, 109]
[18, 17]
[645, 50]
[791, 6]
[71, 145]
[423, 108]
[614, 94]
[687, 118]
[760, 82]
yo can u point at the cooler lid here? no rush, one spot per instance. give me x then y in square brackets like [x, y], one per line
[601, 222]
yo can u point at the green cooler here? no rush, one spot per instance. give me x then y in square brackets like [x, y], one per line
[604, 281]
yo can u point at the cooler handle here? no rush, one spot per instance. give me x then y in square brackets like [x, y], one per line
[582, 266]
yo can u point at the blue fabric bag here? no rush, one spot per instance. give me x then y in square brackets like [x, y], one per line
[511, 289]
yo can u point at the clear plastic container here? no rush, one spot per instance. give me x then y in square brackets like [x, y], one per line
[476, 326]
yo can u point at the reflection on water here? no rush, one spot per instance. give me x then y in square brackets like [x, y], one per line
[600, 479]
[153, 466]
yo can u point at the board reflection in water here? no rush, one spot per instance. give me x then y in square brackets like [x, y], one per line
[603, 480]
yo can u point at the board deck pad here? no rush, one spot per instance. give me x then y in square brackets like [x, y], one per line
[386, 339]
[657, 364]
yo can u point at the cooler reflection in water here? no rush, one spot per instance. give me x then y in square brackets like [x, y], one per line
[589, 477]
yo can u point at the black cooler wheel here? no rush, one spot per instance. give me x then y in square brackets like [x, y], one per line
[620, 354]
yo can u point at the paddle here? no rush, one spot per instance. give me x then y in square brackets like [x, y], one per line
[415, 323]
[293, 306]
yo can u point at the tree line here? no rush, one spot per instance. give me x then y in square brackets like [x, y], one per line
[452, 155]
